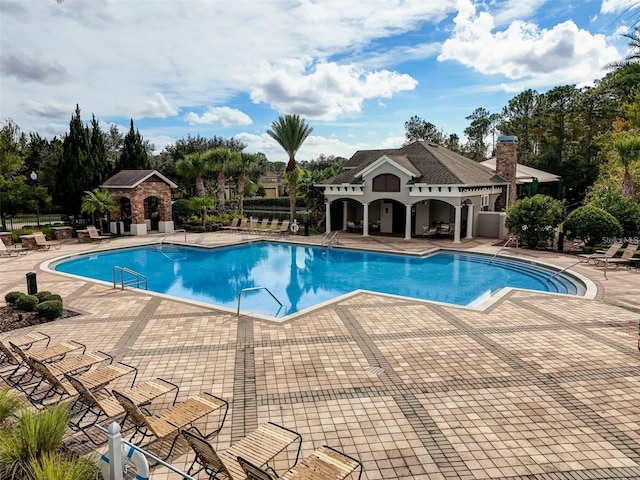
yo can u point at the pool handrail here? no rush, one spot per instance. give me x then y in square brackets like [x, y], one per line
[256, 288]
[139, 278]
[175, 231]
[329, 236]
[505, 245]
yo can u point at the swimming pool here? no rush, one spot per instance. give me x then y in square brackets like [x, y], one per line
[301, 277]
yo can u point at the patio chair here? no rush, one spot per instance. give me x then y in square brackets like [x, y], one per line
[233, 225]
[593, 257]
[628, 253]
[59, 387]
[325, 463]
[446, 229]
[243, 225]
[43, 243]
[262, 226]
[253, 224]
[25, 342]
[273, 226]
[12, 250]
[284, 228]
[260, 447]
[96, 405]
[428, 231]
[94, 235]
[169, 421]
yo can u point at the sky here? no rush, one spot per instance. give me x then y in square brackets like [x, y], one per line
[355, 70]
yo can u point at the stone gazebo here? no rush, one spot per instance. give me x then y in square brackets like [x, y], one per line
[134, 189]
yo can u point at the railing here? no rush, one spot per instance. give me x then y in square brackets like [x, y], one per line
[563, 270]
[175, 231]
[138, 279]
[328, 237]
[114, 455]
[256, 288]
[505, 246]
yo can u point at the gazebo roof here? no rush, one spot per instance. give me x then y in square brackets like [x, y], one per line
[133, 178]
[525, 174]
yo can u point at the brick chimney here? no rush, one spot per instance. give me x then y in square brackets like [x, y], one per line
[506, 159]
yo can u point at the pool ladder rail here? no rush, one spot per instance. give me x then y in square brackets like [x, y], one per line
[329, 237]
[505, 246]
[137, 280]
[258, 288]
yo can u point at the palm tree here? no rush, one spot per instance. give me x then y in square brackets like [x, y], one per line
[202, 204]
[290, 132]
[100, 202]
[218, 160]
[195, 166]
[243, 164]
[628, 150]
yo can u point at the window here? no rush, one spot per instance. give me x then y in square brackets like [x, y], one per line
[386, 183]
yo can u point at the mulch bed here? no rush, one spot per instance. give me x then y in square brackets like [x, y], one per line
[12, 319]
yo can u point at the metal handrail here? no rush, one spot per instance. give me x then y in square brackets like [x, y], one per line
[184, 475]
[330, 236]
[563, 270]
[175, 231]
[137, 281]
[505, 245]
[256, 288]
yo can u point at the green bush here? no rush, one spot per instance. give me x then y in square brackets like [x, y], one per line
[15, 234]
[27, 303]
[57, 467]
[533, 220]
[627, 212]
[42, 295]
[53, 296]
[591, 224]
[12, 297]
[9, 404]
[49, 309]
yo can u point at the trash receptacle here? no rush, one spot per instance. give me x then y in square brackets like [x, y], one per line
[306, 229]
[32, 283]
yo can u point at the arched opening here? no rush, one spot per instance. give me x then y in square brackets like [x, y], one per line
[152, 212]
[125, 213]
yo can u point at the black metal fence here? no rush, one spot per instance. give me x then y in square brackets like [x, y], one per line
[15, 222]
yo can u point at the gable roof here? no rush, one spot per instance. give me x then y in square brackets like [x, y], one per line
[133, 178]
[430, 164]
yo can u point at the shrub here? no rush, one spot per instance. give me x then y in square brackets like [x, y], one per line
[9, 405]
[42, 295]
[627, 212]
[591, 224]
[53, 296]
[34, 434]
[27, 303]
[57, 467]
[12, 297]
[49, 309]
[533, 220]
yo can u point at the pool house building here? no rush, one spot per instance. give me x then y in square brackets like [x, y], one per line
[422, 189]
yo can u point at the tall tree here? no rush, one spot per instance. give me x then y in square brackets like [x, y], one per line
[98, 152]
[627, 147]
[290, 132]
[477, 132]
[219, 162]
[242, 164]
[74, 175]
[13, 144]
[195, 166]
[417, 128]
[134, 154]
[518, 118]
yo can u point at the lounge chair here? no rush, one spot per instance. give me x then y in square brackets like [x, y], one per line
[96, 405]
[273, 226]
[593, 257]
[253, 224]
[628, 253]
[428, 231]
[260, 447]
[25, 342]
[43, 243]
[60, 388]
[233, 225]
[243, 225]
[169, 421]
[13, 250]
[325, 463]
[446, 229]
[262, 226]
[94, 235]
[284, 228]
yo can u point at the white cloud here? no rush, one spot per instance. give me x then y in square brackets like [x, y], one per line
[562, 54]
[617, 6]
[516, 9]
[324, 90]
[48, 110]
[157, 107]
[224, 116]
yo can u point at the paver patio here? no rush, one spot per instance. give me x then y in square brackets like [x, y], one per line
[536, 386]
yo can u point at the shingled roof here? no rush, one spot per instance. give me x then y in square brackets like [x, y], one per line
[432, 164]
[133, 178]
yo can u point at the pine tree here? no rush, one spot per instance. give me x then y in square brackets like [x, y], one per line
[134, 155]
[98, 153]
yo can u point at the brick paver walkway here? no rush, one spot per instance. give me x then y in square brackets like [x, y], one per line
[535, 386]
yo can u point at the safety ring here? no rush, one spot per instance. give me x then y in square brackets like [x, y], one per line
[133, 454]
[294, 228]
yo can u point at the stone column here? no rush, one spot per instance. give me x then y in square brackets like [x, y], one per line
[506, 162]
[365, 220]
[327, 214]
[345, 213]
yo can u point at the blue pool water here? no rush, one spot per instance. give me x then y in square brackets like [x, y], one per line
[302, 276]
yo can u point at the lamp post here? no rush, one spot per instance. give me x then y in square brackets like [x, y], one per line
[34, 177]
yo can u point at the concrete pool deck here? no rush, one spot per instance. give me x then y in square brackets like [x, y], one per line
[535, 386]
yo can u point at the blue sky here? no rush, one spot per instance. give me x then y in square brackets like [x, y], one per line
[355, 70]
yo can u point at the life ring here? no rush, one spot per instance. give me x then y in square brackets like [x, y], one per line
[294, 228]
[133, 454]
